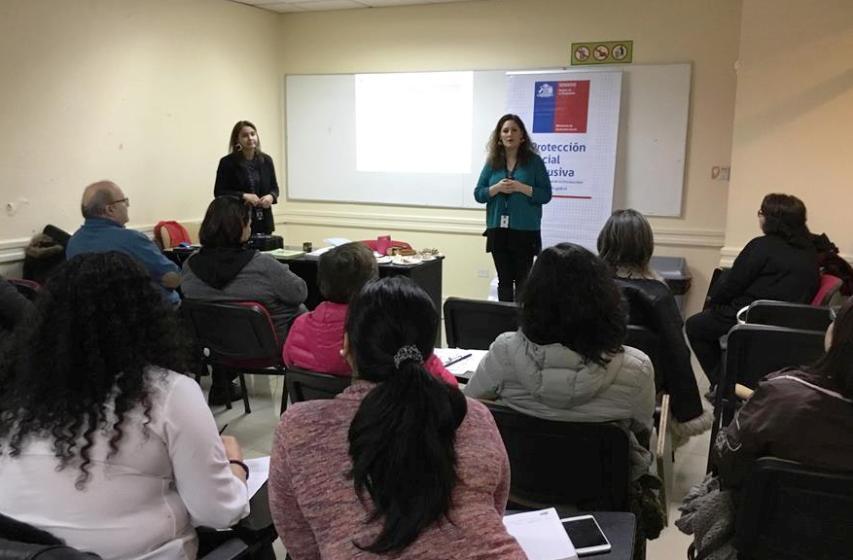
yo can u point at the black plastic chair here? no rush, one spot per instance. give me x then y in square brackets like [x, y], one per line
[474, 324]
[791, 315]
[304, 385]
[236, 335]
[752, 352]
[553, 463]
[27, 288]
[789, 511]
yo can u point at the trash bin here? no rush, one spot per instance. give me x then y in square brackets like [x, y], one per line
[675, 274]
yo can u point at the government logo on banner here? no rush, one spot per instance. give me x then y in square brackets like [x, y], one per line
[561, 106]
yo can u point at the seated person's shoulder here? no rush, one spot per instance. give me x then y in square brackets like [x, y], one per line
[170, 383]
[636, 364]
[306, 423]
[266, 261]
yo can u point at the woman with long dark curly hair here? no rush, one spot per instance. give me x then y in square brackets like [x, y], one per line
[399, 465]
[567, 361]
[102, 443]
[514, 185]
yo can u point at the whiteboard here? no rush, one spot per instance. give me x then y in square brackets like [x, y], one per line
[320, 134]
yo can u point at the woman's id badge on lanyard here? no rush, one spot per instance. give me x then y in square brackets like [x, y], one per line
[504, 221]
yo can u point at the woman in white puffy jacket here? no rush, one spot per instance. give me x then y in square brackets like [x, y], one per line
[567, 361]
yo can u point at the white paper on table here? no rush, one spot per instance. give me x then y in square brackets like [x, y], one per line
[464, 368]
[259, 472]
[336, 241]
[541, 535]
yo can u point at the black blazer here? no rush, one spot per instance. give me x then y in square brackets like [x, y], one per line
[232, 179]
[652, 305]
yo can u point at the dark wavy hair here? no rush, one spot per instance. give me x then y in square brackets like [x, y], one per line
[343, 271]
[836, 365]
[223, 223]
[99, 323]
[785, 216]
[627, 241]
[571, 299]
[495, 148]
[401, 440]
[235, 133]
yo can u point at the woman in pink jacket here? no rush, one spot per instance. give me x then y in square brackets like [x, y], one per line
[316, 338]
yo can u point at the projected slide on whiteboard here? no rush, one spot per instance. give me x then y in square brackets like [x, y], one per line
[406, 138]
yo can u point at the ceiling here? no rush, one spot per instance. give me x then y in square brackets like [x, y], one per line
[283, 6]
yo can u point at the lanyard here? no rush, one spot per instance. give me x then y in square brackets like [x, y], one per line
[511, 172]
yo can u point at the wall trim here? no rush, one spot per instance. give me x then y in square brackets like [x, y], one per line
[12, 250]
[464, 225]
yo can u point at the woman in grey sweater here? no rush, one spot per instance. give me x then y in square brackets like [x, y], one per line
[224, 269]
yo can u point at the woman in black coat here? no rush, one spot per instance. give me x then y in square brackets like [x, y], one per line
[626, 243]
[780, 265]
[249, 173]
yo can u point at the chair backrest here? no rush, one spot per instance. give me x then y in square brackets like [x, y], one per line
[791, 315]
[27, 288]
[304, 385]
[169, 233]
[753, 351]
[22, 541]
[648, 342]
[474, 324]
[790, 511]
[829, 286]
[565, 463]
[234, 333]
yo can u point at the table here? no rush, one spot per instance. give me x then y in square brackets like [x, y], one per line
[427, 274]
[256, 529]
[618, 526]
[463, 369]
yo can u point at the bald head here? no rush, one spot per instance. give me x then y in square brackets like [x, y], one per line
[100, 201]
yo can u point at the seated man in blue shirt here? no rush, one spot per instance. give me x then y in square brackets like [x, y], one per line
[105, 208]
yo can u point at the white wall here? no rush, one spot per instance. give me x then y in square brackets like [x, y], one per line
[143, 93]
[794, 116]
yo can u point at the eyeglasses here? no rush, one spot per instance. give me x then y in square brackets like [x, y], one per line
[125, 200]
[760, 213]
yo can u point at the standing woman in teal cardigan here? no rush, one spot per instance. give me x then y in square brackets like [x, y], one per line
[514, 184]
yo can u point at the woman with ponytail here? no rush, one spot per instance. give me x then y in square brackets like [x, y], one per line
[398, 465]
[801, 414]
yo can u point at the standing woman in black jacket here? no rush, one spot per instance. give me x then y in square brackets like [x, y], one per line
[249, 173]
[779, 265]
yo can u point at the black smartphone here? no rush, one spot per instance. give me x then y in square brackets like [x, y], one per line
[585, 534]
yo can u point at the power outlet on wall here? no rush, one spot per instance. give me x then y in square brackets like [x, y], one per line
[720, 173]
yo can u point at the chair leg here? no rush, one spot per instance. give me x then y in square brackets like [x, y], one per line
[228, 395]
[283, 396]
[246, 408]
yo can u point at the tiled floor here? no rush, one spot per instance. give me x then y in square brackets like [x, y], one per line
[254, 432]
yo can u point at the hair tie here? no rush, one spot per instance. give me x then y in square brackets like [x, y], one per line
[408, 352]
